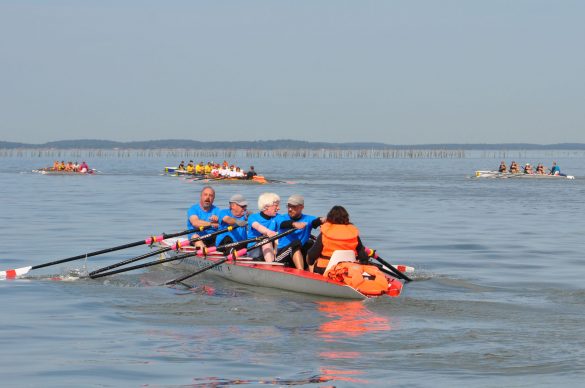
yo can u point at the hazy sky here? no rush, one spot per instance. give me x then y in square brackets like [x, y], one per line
[398, 72]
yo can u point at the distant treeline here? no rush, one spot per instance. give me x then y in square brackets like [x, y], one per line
[217, 154]
[272, 145]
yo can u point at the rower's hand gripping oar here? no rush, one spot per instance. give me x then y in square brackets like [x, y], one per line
[232, 256]
[372, 253]
[13, 273]
[176, 246]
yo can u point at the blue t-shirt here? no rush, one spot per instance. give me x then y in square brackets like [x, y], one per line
[257, 217]
[202, 215]
[237, 234]
[555, 170]
[299, 234]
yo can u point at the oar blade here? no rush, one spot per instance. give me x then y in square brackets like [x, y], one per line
[14, 273]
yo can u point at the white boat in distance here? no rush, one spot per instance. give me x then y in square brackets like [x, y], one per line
[520, 175]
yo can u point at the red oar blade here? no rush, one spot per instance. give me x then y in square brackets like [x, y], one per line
[14, 273]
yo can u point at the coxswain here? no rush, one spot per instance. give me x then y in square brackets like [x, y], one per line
[337, 233]
[55, 165]
[251, 173]
[83, 167]
[555, 170]
[181, 166]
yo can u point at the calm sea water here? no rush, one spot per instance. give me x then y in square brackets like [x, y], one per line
[498, 297]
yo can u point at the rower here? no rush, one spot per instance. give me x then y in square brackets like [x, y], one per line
[540, 169]
[237, 211]
[264, 223]
[514, 169]
[204, 214]
[200, 168]
[528, 169]
[294, 247]
[190, 167]
[502, 167]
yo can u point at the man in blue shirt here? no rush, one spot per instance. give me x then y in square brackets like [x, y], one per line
[204, 214]
[235, 215]
[555, 170]
[293, 248]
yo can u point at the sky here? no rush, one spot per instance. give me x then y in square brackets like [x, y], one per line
[395, 71]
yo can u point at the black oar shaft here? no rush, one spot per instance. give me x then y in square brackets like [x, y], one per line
[210, 266]
[82, 256]
[221, 261]
[394, 269]
[149, 264]
[102, 251]
[103, 270]
[128, 261]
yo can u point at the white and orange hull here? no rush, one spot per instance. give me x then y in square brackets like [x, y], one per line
[275, 275]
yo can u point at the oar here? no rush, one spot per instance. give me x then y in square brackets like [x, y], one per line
[176, 246]
[372, 253]
[12, 273]
[231, 256]
[149, 264]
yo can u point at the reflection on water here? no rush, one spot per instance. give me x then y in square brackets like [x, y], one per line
[346, 319]
[349, 319]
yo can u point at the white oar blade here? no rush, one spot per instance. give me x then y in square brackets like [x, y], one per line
[14, 273]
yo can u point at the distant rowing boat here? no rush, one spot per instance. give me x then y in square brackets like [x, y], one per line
[50, 171]
[174, 171]
[507, 175]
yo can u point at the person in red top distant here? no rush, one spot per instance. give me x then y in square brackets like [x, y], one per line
[83, 167]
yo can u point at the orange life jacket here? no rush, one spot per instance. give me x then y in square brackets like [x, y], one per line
[352, 274]
[336, 237]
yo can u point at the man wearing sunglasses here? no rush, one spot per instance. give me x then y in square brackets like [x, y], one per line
[237, 211]
[293, 248]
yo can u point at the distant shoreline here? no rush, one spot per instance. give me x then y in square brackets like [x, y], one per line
[272, 145]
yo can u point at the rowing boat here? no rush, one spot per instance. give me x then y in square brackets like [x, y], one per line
[272, 275]
[174, 171]
[49, 171]
[508, 175]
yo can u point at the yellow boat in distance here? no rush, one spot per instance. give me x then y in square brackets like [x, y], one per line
[258, 179]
